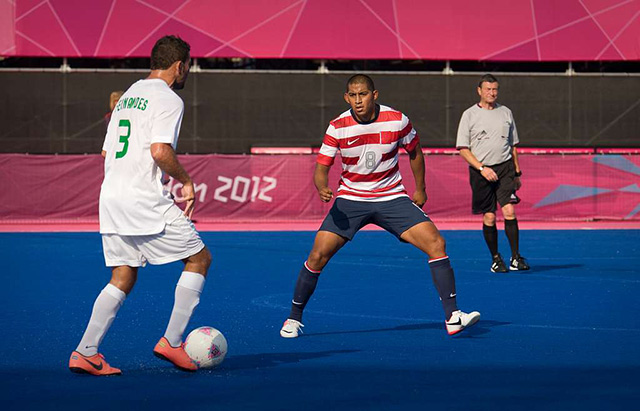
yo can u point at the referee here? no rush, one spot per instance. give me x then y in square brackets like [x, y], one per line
[487, 140]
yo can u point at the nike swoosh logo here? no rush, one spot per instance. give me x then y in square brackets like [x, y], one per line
[456, 323]
[96, 366]
[349, 142]
[452, 295]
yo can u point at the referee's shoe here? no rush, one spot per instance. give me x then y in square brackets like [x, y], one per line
[498, 265]
[518, 263]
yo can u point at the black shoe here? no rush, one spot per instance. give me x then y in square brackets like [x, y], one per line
[498, 265]
[518, 263]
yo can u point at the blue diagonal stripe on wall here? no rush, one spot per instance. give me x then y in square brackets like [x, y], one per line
[618, 162]
[633, 188]
[566, 192]
[634, 212]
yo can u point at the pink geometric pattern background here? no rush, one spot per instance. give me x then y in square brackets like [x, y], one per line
[515, 30]
[241, 188]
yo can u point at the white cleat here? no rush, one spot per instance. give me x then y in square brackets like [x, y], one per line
[459, 321]
[291, 328]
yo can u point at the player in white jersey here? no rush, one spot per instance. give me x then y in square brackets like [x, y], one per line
[139, 220]
[368, 137]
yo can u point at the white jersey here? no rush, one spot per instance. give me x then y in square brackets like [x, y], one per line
[132, 198]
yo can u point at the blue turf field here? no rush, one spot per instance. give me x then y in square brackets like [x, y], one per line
[565, 336]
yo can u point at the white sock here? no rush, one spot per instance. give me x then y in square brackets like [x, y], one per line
[104, 312]
[188, 293]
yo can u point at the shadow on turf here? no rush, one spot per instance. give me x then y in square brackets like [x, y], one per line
[253, 361]
[540, 268]
[483, 327]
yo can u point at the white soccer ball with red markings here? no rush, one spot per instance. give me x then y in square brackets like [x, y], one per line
[206, 346]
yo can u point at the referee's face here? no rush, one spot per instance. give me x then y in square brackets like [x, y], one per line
[362, 101]
[488, 92]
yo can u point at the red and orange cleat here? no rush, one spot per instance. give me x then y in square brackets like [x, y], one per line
[175, 355]
[94, 365]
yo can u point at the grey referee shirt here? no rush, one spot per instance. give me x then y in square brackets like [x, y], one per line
[489, 134]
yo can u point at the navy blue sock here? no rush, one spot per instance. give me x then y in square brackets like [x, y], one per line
[513, 234]
[445, 283]
[305, 286]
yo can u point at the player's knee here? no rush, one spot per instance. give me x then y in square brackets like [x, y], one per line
[199, 262]
[489, 219]
[317, 260]
[438, 246]
[206, 259]
[509, 212]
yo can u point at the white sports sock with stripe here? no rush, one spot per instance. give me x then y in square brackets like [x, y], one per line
[187, 297]
[104, 312]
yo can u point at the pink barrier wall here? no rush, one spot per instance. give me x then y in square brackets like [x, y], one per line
[279, 187]
[536, 30]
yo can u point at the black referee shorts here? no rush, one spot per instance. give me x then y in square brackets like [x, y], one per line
[485, 194]
[396, 216]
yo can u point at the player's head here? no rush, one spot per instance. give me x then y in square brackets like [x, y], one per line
[488, 89]
[361, 95]
[172, 54]
[114, 97]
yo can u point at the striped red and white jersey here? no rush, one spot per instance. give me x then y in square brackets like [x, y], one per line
[369, 153]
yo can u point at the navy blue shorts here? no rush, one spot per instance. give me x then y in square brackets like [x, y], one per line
[396, 216]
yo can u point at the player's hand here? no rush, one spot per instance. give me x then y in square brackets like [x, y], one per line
[189, 197]
[489, 174]
[325, 194]
[518, 183]
[419, 198]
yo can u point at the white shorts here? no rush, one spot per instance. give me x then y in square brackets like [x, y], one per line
[177, 241]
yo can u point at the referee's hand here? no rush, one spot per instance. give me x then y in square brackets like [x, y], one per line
[489, 174]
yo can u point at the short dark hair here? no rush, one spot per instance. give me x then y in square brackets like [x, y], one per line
[489, 78]
[167, 51]
[361, 79]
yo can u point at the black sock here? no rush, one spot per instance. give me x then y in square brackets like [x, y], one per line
[445, 283]
[513, 234]
[491, 237]
[305, 286]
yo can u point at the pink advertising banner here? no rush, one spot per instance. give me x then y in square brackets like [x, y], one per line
[279, 188]
[535, 30]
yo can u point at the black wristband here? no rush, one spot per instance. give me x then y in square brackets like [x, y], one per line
[518, 173]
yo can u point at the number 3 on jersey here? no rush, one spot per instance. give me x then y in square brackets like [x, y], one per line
[124, 138]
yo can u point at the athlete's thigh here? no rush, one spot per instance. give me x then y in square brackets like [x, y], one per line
[399, 215]
[346, 217]
[121, 250]
[177, 241]
[327, 243]
[427, 238]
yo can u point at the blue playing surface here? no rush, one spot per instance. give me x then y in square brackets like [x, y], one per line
[563, 336]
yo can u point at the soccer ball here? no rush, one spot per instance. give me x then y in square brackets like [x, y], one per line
[206, 346]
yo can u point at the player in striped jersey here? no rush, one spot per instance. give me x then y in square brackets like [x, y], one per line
[368, 137]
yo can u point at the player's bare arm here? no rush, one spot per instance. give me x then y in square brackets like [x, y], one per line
[165, 157]
[516, 165]
[487, 172]
[416, 160]
[321, 181]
